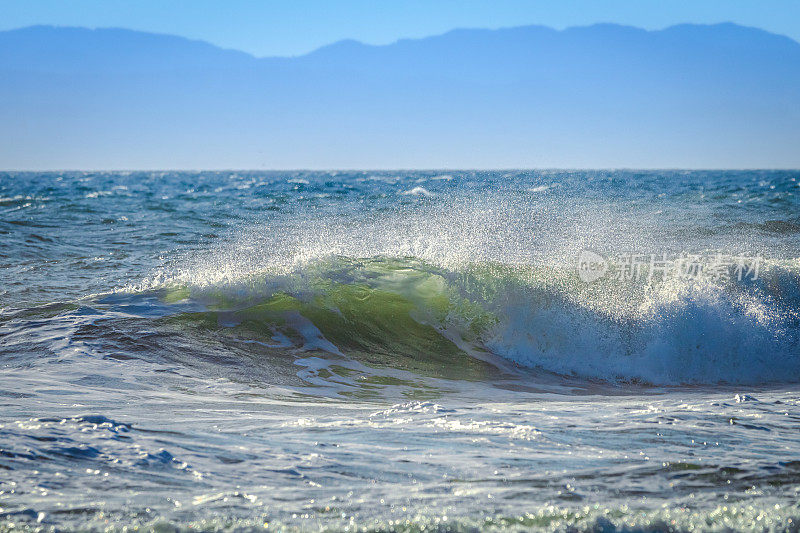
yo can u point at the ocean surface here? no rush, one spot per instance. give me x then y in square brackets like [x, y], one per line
[410, 351]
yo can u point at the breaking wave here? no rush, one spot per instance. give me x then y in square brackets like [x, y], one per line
[494, 279]
[406, 312]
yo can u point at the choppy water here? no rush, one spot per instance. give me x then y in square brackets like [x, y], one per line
[400, 350]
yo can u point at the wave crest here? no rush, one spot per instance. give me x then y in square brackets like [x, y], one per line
[407, 313]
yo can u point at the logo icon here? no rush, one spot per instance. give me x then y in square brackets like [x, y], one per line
[591, 266]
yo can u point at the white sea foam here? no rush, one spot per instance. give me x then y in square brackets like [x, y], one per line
[418, 191]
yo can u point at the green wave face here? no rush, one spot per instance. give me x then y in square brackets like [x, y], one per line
[382, 313]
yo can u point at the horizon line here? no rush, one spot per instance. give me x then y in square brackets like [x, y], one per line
[411, 169]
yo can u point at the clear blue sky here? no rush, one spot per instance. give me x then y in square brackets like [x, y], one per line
[291, 27]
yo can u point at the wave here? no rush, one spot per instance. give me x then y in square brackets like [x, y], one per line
[452, 321]
[453, 285]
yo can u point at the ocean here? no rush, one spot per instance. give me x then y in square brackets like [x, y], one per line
[402, 351]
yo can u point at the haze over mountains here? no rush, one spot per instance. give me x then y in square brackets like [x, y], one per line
[720, 96]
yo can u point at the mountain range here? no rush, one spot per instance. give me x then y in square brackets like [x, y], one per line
[690, 96]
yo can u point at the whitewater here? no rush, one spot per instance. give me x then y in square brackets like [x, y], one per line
[410, 350]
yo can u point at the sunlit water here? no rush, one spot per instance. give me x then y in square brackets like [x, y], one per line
[399, 351]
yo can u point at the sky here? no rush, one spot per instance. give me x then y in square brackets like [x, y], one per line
[295, 27]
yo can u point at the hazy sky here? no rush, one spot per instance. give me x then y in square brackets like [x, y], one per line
[290, 27]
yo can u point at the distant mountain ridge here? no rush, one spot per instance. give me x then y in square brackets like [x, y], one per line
[60, 49]
[598, 96]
